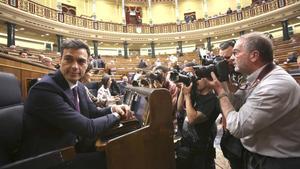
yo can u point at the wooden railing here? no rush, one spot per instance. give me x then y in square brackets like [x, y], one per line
[53, 14]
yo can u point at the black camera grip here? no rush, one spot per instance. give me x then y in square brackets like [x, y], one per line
[222, 70]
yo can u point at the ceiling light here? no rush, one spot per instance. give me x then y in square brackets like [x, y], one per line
[232, 34]
[21, 29]
[47, 34]
[251, 30]
[42, 35]
[273, 24]
[216, 37]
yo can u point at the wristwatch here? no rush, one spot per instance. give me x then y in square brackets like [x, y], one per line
[222, 95]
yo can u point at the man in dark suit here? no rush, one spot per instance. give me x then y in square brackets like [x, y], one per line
[58, 112]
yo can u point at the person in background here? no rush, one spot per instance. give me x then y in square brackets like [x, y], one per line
[142, 64]
[292, 57]
[296, 70]
[23, 54]
[47, 61]
[157, 62]
[104, 94]
[196, 149]
[229, 11]
[226, 52]
[181, 109]
[41, 57]
[162, 81]
[123, 84]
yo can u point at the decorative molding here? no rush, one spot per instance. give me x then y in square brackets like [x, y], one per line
[20, 17]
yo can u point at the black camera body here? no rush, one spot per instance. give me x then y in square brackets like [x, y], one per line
[220, 69]
[185, 78]
[157, 75]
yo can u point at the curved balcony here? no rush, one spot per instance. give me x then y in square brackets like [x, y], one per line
[34, 15]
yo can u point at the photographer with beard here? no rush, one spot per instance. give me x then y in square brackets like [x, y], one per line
[232, 154]
[268, 120]
[195, 150]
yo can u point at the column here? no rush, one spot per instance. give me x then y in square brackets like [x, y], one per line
[125, 49]
[94, 9]
[177, 16]
[281, 3]
[124, 17]
[60, 15]
[179, 52]
[239, 14]
[59, 39]
[208, 40]
[152, 49]
[285, 30]
[238, 5]
[205, 9]
[177, 12]
[10, 34]
[123, 13]
[95, 43]
[150, 13]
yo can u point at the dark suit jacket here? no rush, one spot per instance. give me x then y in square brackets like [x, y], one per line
[51, 120]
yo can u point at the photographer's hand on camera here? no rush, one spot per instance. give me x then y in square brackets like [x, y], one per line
[222, 69]
[186, 90]
[222, 94]
[216, 84]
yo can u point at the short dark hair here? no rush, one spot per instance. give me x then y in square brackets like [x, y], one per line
[104, 80]
[261, 43]
[162, 68]
[227, 44]
[190, 64]
[75, 44]
[23, 51]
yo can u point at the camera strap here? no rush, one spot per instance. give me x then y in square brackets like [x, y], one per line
[266, 70]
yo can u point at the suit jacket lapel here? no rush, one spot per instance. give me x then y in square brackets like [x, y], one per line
[62, 82]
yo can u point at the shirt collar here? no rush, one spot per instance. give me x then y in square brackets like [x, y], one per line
[253, 76]
[72, 85]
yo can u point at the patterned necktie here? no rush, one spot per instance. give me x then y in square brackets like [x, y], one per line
[75, 94]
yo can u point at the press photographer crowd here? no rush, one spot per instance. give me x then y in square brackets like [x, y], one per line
[239, 103]
[256, 100]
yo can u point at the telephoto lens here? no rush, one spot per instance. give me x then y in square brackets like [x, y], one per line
[185, 78]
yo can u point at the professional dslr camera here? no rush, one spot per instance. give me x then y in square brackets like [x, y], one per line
[156, 75]
[184, 77]
[220, 68]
